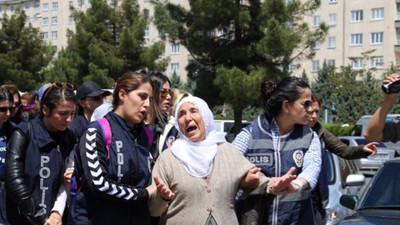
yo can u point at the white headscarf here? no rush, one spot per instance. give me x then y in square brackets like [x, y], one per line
[197, 157]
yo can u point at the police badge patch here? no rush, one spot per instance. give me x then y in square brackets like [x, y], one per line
[298, 158]
[170, 140]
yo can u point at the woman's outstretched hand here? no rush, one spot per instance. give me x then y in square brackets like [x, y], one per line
[163, 190]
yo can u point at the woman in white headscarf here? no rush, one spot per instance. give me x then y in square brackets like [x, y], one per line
[202, 172]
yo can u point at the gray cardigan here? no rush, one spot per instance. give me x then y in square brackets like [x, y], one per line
[195, 199]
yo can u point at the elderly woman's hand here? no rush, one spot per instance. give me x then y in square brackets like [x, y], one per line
[252, 178]
[163, 190]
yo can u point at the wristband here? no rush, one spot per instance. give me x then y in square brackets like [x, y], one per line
[298, 183]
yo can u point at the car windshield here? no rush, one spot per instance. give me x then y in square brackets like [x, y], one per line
[362, 141]
[384, 191]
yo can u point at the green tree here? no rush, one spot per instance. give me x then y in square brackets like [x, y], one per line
[24, 56]
[109, 39]
[354, 93]
[247, 36]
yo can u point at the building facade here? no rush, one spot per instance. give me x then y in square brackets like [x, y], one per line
[53, 18]
[356, 27]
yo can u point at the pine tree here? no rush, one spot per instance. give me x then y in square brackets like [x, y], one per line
[23, 54]
[247, 36]
[108, 41]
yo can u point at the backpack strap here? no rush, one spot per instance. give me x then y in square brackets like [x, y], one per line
[105, 126]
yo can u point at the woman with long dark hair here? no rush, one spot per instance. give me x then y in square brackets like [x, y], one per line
[280, 139]
[35, 160]
[159, 119]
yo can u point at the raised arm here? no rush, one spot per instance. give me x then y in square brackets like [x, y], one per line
[375, 127]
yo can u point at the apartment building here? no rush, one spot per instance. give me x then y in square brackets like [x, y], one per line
[356, 27]
[53, 18]
[178, 54]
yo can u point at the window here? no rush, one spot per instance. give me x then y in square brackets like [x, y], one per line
[36, 17]
[332, 1]
[27, 19]
[356, 39]
[174, 68]
[45, 21]
[377, 38]
[377, 14]
[331, 42]
[1, 8]
[331, 62]
[317, 45]
[356, 63]
[89, 3]
[54, 20]
[175, 49]
[27, 5]
[315, 65]
[70, 20]
[12, 8]
[316, 21]
[79, 3]
[54, 35]
[146, 13]
[160, 33]
[332, 19]
[147, 32]
[377, 62]
[357, 16]
[45, 36]
[45, 7]
[71, 4]
[36, 4]
[55, 6]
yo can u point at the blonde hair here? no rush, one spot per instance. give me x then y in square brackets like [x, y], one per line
[179, 94]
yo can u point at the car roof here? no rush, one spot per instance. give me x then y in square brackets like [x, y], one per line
[394, 160]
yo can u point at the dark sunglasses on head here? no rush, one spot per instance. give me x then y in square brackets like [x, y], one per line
[164, 93]
[307, 104]
[58, 85]
[4, 109]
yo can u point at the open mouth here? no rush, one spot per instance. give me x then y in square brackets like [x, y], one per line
[143, 113]
[190, 129]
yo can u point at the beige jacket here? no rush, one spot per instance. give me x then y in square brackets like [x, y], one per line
[195, 199]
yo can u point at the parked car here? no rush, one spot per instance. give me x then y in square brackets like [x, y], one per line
[380, 203]
[343, 178]
[371, 164]
[362, 123]
[227, 127]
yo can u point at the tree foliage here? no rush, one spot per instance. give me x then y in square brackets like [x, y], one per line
[354, 93]
[240, 38]
[109, 39]
[23, 54]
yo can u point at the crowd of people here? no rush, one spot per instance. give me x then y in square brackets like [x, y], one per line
[150, 154]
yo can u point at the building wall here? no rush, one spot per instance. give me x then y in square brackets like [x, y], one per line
[54, 21]
[345, 27]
